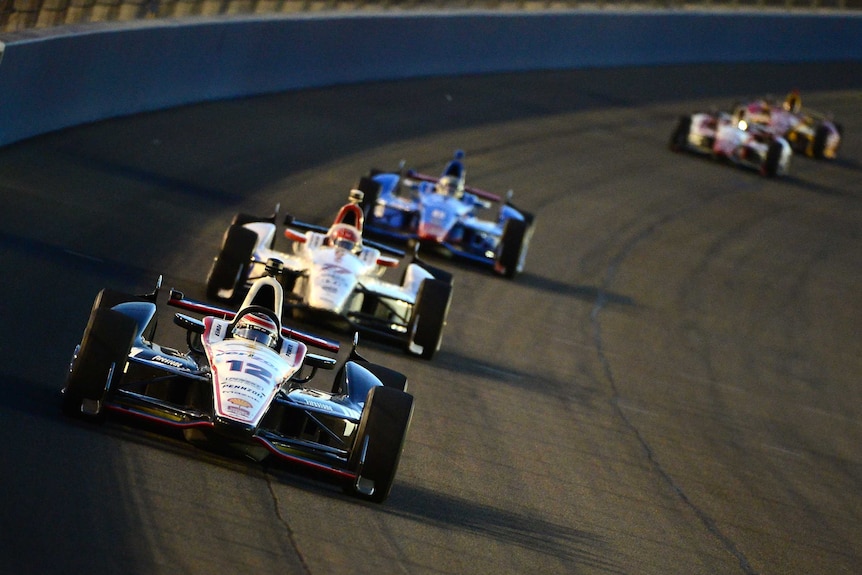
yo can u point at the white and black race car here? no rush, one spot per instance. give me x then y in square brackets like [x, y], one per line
[241, 386]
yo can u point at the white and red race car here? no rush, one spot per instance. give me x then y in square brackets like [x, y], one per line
[727, 137]
[333, 275]
[809, 133]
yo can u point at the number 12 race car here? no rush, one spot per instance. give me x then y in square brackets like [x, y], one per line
[334, 276]
[444, 214]
[240, 387]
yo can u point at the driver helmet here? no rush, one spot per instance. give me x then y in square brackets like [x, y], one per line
[257, 327]
[793, 102]
[449, 186]
[344, 236]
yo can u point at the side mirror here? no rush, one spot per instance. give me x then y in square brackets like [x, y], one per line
[387, 261]
[319, 361]
[189, 323]
[294, 235]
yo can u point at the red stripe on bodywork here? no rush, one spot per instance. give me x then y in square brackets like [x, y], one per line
[208, 309]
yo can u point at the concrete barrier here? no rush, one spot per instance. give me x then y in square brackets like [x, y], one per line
[56, 78]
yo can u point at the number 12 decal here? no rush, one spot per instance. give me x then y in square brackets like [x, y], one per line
[250, 368]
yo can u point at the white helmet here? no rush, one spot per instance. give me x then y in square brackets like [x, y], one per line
[257, 327]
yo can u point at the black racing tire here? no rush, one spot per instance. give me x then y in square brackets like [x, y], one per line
[242, 218]
[387, 376]
[230, 268]
[513, 246]
[438, 273]
[100, 359]
[773, 157]
[799, 142]
[371, 191]
[381, 435]
[818, 148]
[679, 137]
[425, 328]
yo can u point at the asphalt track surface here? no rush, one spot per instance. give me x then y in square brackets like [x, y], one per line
[672, 386]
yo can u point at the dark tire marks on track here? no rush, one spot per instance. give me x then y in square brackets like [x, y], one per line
[671, 387]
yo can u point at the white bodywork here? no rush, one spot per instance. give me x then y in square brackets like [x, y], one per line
[331, 275]
[722, 135]
[246, 375]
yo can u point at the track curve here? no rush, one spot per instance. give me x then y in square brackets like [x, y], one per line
[671, 387]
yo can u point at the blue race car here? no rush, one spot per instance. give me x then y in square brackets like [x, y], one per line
[442, 213]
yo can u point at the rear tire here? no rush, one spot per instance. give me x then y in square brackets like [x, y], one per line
[425, 329]
[99, 362]
[381, 435]
[679, 138]
[230, 268]
[371, 191]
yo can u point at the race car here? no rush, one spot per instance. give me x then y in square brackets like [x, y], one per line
[809, 133]
[725, 136]
[444, 214]
[334, 276]
[240, 387]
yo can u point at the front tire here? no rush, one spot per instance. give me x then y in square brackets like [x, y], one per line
[821, 136]
[513, 248]
[380, 441]
[230, 268]
[387, 376]
[773, 158]
[425, 329]
[99, 361]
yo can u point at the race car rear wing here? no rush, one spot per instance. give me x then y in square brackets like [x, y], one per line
[475, 191]
[384, 248]
[179, 300]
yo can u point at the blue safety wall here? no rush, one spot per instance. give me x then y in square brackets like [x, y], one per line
[53, 79]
